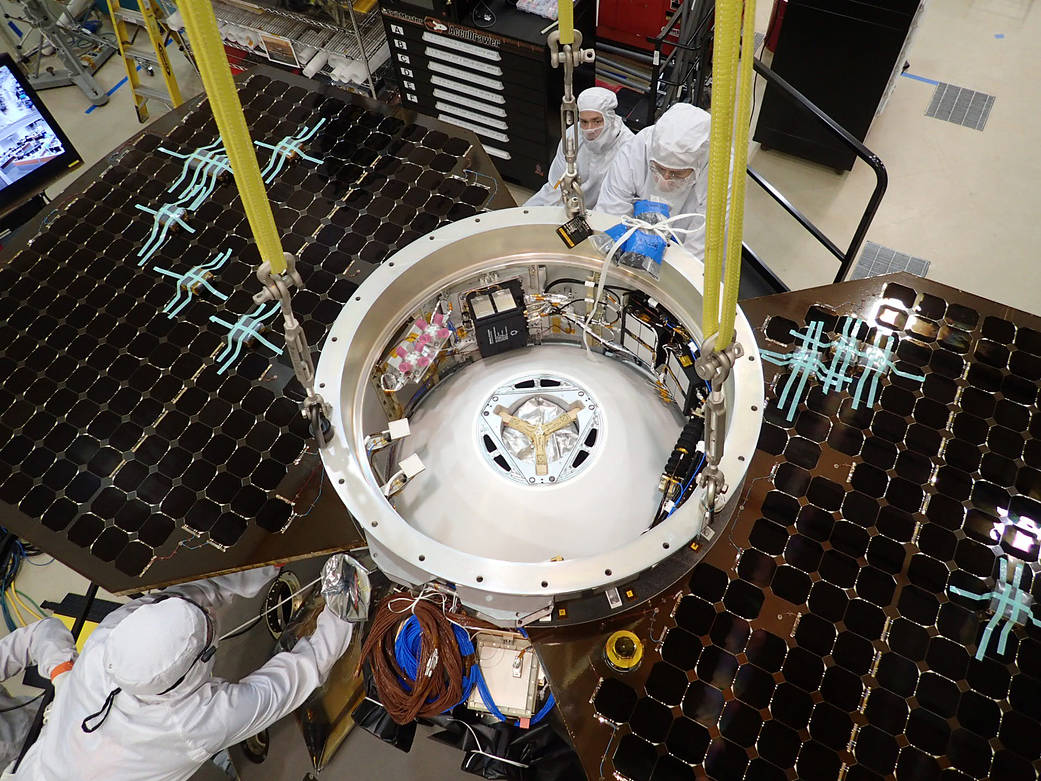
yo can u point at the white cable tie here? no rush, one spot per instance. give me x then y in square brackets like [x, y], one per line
[431, 663]
[498, 758]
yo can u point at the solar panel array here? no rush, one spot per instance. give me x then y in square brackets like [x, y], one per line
[829, 646]
[119, 426]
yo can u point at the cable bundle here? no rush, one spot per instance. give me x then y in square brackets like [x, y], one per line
[12, 601]
[436, 684]
[400, 653]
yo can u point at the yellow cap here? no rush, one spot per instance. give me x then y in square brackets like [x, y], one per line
[624, 651]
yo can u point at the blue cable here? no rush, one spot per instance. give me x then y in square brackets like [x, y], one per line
[406, 652]
[683, 491]
[18, 555]
[544, 710]
[486, 695]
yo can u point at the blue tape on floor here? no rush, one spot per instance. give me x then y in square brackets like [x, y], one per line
[119, 84]
[907, 75]
[999, 35]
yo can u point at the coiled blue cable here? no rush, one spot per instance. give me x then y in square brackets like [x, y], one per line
[407, 647]
[406, 651]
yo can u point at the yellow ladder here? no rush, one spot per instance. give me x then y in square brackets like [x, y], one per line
[148, 17]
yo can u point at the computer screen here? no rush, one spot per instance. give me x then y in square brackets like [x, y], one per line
[33, 149]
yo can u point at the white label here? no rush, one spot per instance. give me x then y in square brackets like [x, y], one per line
[482, 131]
[408, 72]
[403, 58]
[411, 97]
[468, 48]
[458, 59]
[409, 85]
[473, 78]
[411, 466]
[471, 92]
[484, 108]
[614, 599]
[398, 29]
[400, 43]
[462, 112]
[398, 428]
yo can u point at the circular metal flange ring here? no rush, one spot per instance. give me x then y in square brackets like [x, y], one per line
[495, 241]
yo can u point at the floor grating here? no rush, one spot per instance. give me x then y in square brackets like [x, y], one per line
[960, 105]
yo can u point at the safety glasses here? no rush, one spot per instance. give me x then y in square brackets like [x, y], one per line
[671, 174]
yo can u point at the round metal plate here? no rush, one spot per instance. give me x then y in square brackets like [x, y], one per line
[502, 509]
[284, 585]
[539, 400]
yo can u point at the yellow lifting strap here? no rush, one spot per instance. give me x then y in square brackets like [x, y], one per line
[728, 146]
[566, 21]
[201, 26]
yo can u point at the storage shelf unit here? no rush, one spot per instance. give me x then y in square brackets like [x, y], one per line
[496, 80]
[307, 31]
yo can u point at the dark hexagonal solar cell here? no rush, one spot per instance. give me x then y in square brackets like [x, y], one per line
[717, 667]
[695, 615]
[165, 438]
[708, 582]
[651, 720]
[681, 649]
[635, 758]
[688, 740]
[666, 683]
[754, 686]
[614, 700]
[726, 759]
[703, 703]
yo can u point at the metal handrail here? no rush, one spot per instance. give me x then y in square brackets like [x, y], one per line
[848, 139]
[658, 64]
[845, 258]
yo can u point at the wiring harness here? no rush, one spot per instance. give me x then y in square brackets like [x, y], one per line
[423, 659]
[13, 553]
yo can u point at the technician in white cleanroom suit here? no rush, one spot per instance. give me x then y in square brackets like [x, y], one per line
[142, 704]
[668, 163]
[602, 133]
[48, 645]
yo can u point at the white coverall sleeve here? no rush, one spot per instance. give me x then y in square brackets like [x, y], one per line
[619, 191]
[549, 195]
[239, 710]
[45, 643]
[211, 593]
[220, 591]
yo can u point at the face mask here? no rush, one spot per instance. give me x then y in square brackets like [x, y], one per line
[594, 133]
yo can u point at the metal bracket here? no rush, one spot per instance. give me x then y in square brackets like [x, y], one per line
[569, 56]
[714, 367]
[277, 288]
[47, 17]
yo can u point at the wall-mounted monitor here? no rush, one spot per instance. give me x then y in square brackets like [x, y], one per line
[34, 150]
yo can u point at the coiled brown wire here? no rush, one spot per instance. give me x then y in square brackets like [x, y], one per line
[431, 694]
